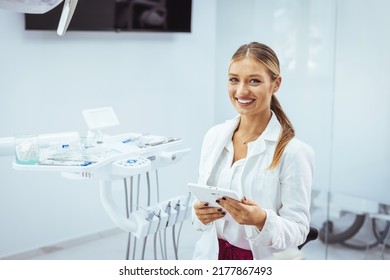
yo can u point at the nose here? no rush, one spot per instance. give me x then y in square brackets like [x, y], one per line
[242, 89]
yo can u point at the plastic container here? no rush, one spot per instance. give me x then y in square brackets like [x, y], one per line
[26, 149]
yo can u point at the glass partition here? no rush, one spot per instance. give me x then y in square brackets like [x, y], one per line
[361, 132]
[334, 60]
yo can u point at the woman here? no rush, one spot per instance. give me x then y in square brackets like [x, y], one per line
[257, 155]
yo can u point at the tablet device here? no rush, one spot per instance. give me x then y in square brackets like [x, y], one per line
[210, 194]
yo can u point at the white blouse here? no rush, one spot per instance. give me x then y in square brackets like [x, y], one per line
[228, 176]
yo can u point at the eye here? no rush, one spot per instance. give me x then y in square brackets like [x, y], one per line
[233, 80]
[254, 81]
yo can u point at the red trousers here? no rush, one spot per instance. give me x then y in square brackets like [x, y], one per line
[229, 252]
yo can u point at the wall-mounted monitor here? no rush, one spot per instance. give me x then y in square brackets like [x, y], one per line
[119, 15]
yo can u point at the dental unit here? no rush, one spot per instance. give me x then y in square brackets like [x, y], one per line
[109, 158]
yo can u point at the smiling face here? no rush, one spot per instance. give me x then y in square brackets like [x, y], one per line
[250, 87]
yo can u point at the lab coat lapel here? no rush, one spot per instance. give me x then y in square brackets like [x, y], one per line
[271, 134]
[224, 135]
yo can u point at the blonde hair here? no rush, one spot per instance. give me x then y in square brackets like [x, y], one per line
[266, 56]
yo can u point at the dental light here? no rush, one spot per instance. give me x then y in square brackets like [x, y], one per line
[41, 7]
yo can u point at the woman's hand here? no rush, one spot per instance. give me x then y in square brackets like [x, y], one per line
[207, 214]
[245, 212]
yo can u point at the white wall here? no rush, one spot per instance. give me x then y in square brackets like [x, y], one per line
[157, 83]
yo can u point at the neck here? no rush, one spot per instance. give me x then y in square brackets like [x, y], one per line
[254, 124]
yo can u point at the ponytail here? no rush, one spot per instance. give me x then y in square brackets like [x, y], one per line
[286, 134]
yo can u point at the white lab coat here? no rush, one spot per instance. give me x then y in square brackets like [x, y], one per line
[283, 192]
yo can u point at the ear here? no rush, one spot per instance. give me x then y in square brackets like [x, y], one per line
[277, 83]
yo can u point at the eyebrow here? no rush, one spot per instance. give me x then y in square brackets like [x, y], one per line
[250, 76]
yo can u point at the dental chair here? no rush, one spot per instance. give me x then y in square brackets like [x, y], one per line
[296, 253]
[312, 235]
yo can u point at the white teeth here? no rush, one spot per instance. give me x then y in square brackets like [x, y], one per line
[245, 101]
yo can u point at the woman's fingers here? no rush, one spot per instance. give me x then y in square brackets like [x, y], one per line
[207, 214]
[245, 212]
[230, 204]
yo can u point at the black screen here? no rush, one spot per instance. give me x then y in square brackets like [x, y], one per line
[119, 15]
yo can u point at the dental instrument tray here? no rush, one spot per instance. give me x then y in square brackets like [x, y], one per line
[98, 158]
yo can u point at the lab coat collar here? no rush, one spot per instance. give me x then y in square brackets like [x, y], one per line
[272, 131]
[224, 134]
[271, 134]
